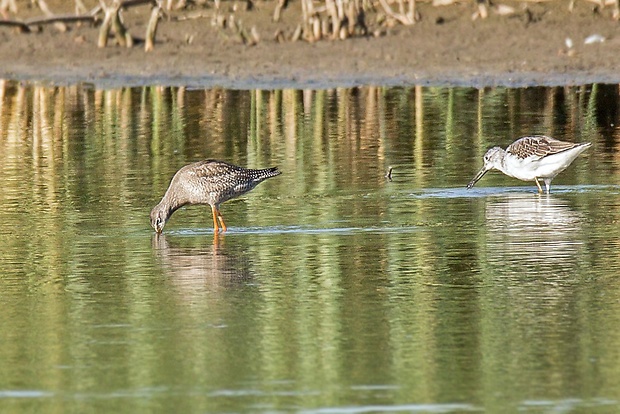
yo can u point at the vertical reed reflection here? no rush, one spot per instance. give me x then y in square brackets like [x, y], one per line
[72, 146]
[75, 146]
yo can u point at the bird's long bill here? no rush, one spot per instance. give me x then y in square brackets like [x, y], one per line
[478, 176]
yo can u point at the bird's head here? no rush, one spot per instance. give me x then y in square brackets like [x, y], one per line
[492, 160]
[159, 217]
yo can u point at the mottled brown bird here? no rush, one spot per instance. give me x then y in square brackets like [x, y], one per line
[207, 182]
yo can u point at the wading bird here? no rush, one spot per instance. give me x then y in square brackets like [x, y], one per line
[207, 182]
[531, 158]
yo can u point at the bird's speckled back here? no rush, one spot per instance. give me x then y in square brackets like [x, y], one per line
[538, 146]
[214, 182]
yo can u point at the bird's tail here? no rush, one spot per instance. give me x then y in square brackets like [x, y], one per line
[268, 173]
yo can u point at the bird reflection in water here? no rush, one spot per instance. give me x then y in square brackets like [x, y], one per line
[524, 231]
[199, 269]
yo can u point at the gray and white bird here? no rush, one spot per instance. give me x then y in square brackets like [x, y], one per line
[209, 182]
[531, 158]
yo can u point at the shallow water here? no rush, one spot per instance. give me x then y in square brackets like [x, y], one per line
[335, 290]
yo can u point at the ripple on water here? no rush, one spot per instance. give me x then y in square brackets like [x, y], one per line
[25, 394]
[409, 408]
[275, 230]
[500, 191]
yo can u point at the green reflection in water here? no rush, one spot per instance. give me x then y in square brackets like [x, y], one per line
[335, 290]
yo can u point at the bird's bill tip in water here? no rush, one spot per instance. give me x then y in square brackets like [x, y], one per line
[478, 176]
[157, 226]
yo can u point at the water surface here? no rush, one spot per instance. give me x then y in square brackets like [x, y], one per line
[335, 290]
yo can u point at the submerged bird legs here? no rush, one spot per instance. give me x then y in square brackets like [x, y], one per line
[540, 190]
[547, 182]
[218, 216]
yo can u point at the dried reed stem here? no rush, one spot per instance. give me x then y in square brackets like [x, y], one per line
[80, 7]
[307, 11]
[278, 10]
[22, 26]
[406, 19]
[106, 26]
[61, 18]
[152, 29]
[120, 33]
[9, 5]
[332, 10]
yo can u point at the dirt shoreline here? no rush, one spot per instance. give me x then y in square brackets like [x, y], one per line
[446, 47]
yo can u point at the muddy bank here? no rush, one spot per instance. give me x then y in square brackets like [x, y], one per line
[445, 47]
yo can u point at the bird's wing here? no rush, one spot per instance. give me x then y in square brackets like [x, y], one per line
[538, 146]
[213, 171]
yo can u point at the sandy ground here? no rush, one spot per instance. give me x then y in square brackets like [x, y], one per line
[445, 47]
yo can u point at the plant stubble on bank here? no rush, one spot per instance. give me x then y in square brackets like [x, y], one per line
[238, 44]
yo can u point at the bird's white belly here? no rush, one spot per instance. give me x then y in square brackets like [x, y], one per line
[533, 167]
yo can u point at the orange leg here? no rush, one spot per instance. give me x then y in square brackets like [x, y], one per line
[219, 216]
[215, 212]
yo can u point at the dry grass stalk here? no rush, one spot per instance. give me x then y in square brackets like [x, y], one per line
[60, 18]
[603, 3]
[352, 17]
[125, 4]
[279, 36]
[238, 34]
[407, 19]
[483, 8]
[8, 5]
[106, 26]
[278, 10]
[112, 20]
[297, 33]
[123, 38]
[307, 12]
[325, 27]
[254, 34]
[316, 28]
[329, 20]
[23, 27]
[332, 10]
[198, 14]
[151, 29]
[356, 17]
[503, 10]
[80, 8]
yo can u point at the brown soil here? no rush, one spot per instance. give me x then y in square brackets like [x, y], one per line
[444, 47]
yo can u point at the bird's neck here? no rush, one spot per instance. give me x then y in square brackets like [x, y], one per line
[169, 204]
[501, 163]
